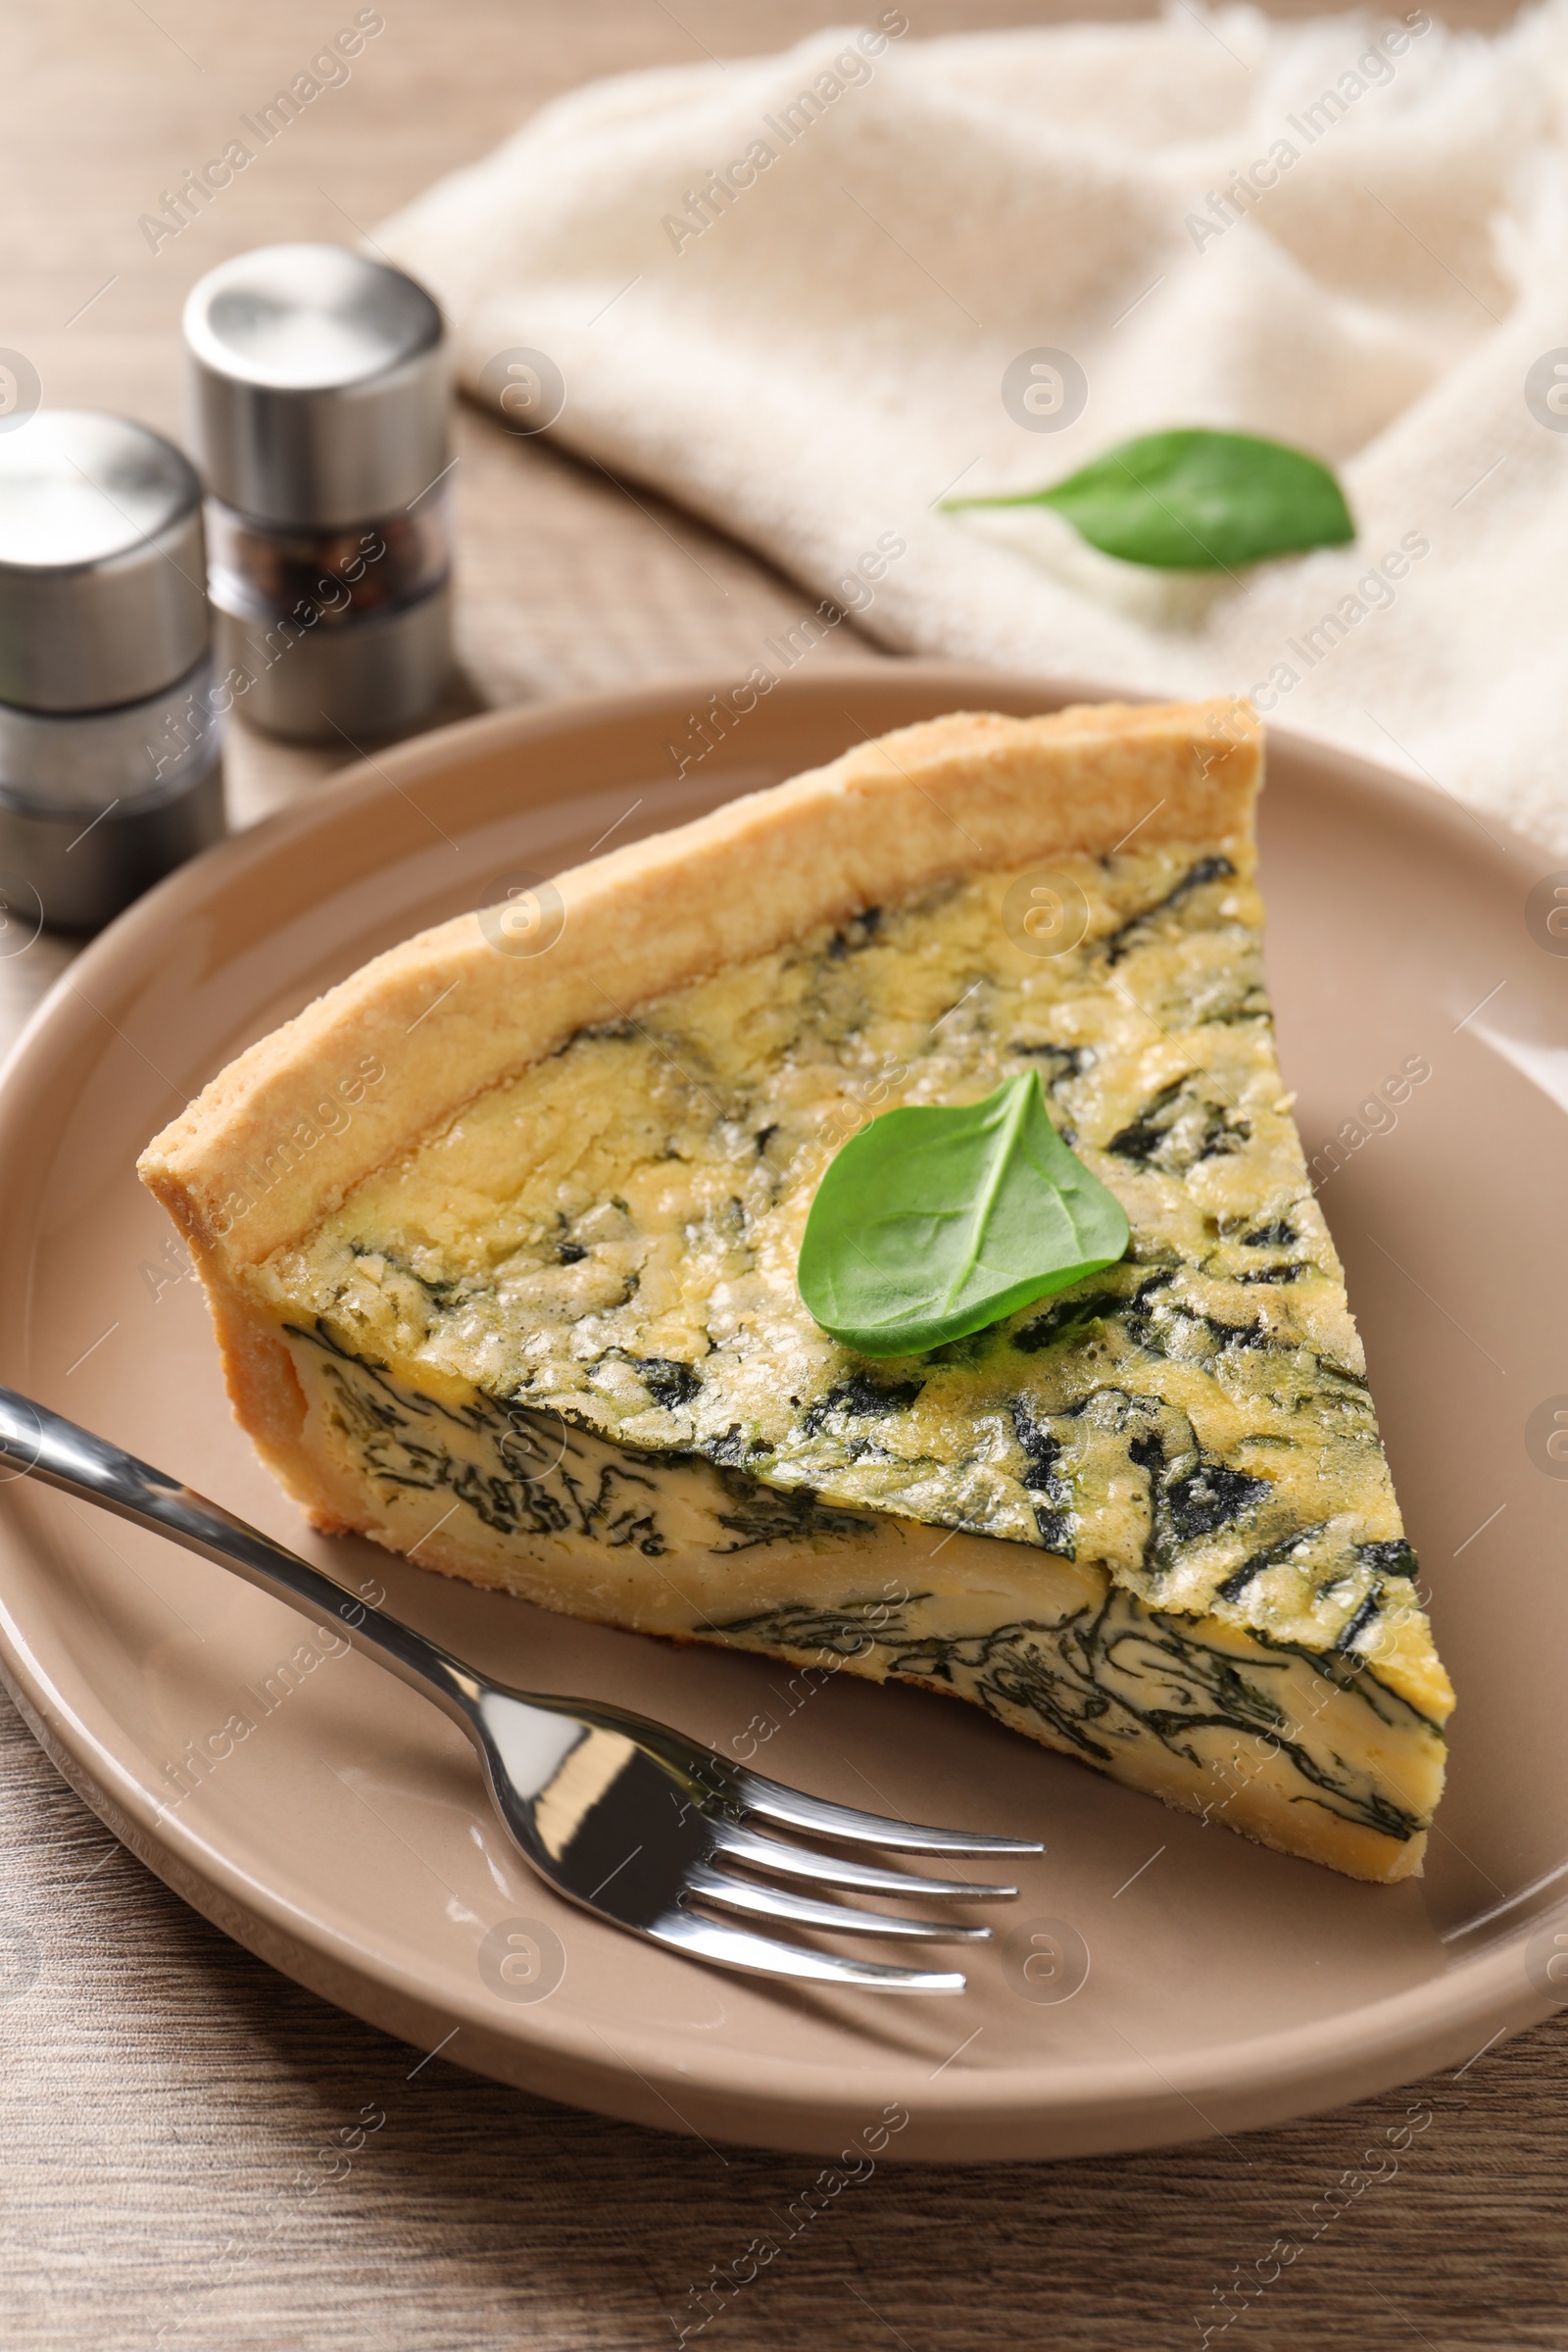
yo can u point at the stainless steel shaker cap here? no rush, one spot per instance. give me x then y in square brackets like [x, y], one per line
[319, 383]
[103, 571]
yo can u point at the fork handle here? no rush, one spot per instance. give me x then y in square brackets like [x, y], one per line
[38, 1444]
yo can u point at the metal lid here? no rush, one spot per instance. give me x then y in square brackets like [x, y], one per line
[103, 570]
[318, 385]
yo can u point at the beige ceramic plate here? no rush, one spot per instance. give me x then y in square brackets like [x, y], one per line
[339, 1827]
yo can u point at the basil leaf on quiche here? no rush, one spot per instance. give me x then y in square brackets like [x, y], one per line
[933, 1222]
[1194, 500]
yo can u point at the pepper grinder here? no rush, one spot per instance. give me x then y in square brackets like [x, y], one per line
[319, 402]
[110, 721]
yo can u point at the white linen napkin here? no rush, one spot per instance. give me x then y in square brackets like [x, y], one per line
[808, 295]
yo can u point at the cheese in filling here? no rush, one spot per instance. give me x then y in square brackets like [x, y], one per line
[1148, 1521]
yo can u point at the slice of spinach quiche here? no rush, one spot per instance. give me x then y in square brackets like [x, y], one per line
[502, 1250]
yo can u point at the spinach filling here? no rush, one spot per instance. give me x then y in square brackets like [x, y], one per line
[1054, 1427]
[1101, 1679]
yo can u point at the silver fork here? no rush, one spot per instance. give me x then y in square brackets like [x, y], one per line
[626, 1817]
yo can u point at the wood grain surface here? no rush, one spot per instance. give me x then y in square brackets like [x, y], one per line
[169, 2102]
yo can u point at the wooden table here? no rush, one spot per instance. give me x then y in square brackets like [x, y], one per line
[162, 2088]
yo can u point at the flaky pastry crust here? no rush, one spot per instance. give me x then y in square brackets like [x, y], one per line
[252, 1165]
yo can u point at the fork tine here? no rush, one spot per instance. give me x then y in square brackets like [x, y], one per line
[792, 1810]
[736, 1947]
[834, 1870]
[805, 1911]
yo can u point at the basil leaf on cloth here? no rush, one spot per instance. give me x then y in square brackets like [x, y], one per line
[1196, 501]
[933, 1222]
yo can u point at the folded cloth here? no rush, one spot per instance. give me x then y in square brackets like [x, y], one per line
[811, 295]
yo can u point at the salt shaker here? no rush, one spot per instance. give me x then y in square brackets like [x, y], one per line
[110, 719]
[319, 404]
